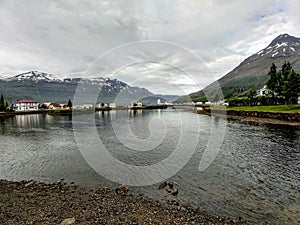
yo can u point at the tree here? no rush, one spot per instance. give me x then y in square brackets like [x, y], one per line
[284, 84]
[251, 95]
[292, 87]
[70, 105]
[2, 103]
[286, 69]
[273, 81]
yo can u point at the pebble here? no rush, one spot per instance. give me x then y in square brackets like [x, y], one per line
[162, 185]
[45, 204]
[68, 221]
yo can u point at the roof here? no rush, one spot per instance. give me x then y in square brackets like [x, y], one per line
[55, 104]
[27, 101]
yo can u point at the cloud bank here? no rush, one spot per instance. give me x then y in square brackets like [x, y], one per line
[66, 37]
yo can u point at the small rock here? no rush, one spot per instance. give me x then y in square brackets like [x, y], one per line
[175, 192]
[162, 185]
[123, 189]
[68, 221]
[171, 185]
[168, 190]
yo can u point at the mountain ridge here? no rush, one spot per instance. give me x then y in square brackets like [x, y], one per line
[252, 72]
[42, 86]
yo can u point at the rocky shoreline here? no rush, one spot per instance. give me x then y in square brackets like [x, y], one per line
[29, 202]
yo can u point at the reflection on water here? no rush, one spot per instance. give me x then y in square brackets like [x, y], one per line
[27, 121]
[136, 112]
[256, 175]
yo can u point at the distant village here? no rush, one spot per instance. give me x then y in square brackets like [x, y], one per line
[27, 105]
[33, 105]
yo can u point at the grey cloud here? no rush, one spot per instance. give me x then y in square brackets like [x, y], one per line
[66, 37]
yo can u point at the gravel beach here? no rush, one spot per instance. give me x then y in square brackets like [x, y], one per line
[29, 202]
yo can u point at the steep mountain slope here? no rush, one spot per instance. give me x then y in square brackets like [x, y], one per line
[252, 72]
[46, 87]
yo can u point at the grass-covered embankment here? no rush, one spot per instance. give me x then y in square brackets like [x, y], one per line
[277, 114]
[271, 108]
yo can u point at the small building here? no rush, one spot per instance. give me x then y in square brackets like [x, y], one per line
[66, 107]
[263, 91]
[54, 105]
[136, 104]
[26, 105]
[112, 105]
[83, 106]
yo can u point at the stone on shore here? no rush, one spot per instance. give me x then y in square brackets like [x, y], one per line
[162, 185]
[123, 189]
[175, 192]
[171, 185]
[68, 221]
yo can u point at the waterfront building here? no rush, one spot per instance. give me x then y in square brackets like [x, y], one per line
[26, 105]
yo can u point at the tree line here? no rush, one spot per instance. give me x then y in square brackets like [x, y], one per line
[283, 87]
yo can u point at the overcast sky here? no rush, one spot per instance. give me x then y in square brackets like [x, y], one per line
[67, 38]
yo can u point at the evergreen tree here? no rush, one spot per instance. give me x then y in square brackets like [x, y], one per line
[70, 105]
[275, 81]
[2, 103]
[286, 69]
[251, 96]
[292, 87]
[284, 84]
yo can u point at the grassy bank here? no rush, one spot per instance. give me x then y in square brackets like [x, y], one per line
[277, 114]
[271, 108]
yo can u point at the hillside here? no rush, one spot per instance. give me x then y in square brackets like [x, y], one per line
[252, 72]
[46, 87]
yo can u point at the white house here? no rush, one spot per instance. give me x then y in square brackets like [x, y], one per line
[136, 104]
[263, 91]
[26, 105]
[112, 105]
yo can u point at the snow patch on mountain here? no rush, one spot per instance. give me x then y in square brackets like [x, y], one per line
[282, 46]
[35, 76]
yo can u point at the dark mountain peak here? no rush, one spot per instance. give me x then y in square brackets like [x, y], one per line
[285, 38]
[283, 45]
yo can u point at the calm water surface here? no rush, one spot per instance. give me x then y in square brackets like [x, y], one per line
[256, 174]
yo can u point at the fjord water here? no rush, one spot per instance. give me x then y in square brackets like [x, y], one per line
[256, 174]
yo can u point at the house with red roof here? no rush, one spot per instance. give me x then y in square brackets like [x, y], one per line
[54, 105]
[26, 105]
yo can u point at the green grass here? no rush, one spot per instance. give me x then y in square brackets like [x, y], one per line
[272, 108]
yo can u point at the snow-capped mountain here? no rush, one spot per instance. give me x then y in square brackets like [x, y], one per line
[253, 71]
[282, 46]
[46, 87]
[35, 76]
